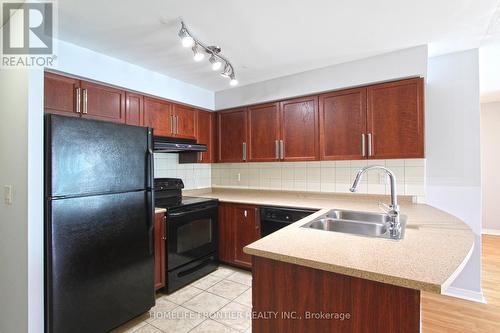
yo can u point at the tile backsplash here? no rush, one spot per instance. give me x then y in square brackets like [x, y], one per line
[194, 175]
[322, 176]
[319, 176]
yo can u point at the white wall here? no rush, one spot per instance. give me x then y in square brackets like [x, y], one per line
[453, 151]
[490, 165]
[76, 60]
[13, 218]
[489, 67]
[394, 65]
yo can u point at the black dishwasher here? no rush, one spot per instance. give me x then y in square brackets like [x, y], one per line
[275, 218]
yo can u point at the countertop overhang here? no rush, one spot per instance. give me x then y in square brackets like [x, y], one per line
[433, 252]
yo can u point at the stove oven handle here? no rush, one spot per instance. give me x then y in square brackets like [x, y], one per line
[192, 211]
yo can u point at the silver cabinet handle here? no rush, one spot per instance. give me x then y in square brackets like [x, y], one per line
[78, 100]
[244, 151]
[176, 124]
[171, 124]
[363, 145]
[200, 156]
[277, 149]
[164, 228]
[370, 144]
[245, 213]
[85, 102]
[282, 149]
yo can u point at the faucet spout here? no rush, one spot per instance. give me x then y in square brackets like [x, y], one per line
[393, 211]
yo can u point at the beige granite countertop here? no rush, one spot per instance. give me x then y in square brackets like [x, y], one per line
[434, 250]
[160, 210]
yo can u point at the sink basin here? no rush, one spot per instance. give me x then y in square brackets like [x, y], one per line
[357, 223]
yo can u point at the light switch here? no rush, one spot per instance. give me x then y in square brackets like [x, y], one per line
[7, 194]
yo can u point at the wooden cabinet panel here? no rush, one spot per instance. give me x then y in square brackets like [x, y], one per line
[205, 135]
[102, 102]
[239, 225]
[246, 231]
[61, 95]
[226, 239]
[343, 125]
[395, 119]
[300, 129]
[232, 135]
[160, 256]
[263, 133]
[134, 107]
[185, 121]
[158, 115]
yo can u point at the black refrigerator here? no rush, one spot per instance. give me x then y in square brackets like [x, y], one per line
[99, 212]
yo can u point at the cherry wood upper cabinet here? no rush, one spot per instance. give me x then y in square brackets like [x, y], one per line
[184, 121]
[342, 119]
[157, 114]
[160, 257]
[62, 95]
[299, 129]
[263, 132]
[232, 135]
[395, 119]
[205, 135]
[134, 114]
[102, 102]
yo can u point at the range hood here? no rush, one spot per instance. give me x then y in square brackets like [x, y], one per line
[169, 145]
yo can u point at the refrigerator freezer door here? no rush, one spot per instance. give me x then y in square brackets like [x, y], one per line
[99, 261]
[85, 157]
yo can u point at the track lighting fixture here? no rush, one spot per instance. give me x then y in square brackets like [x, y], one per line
[199, 49]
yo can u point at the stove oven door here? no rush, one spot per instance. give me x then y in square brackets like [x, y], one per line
[192, 233]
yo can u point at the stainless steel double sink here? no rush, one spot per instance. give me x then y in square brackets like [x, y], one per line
[357, 223]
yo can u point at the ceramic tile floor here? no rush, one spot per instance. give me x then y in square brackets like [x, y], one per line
[218, 302]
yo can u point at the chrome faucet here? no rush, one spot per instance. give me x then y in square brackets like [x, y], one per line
[393, 209]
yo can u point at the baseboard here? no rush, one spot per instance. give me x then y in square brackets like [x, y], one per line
[494, 232]
[475, 296]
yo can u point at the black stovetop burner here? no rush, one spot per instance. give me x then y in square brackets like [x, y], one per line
[168, 194]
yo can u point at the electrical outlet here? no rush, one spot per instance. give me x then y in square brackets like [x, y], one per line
[7, 194]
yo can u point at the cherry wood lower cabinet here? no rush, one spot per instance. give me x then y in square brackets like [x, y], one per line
[302, 297]
[160, 236]
[239, 225]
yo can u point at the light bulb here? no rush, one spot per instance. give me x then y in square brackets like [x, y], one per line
[216, 63]
[198, 56]
[187, 41]
[233, 82]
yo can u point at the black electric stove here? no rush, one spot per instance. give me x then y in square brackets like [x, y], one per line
[191, 233]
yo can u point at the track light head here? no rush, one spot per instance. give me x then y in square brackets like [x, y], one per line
[233, 81]
[227, 71]
[198, 55]
[186, 39]
[216, 63]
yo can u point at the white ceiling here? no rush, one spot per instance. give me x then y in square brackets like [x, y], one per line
[268, 39]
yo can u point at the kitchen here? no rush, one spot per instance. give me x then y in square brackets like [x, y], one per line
[246, 183]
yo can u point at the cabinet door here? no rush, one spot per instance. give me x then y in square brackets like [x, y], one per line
[103, 102]
[232, 135]
[160, 239]
[158, 115]
[205, 135]
[226, 239]
[246, 230]
[185, 122]
[263, 133]
[134, 107]
[61, 95]
[342, 119]
[300, 129]
[395, 114]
